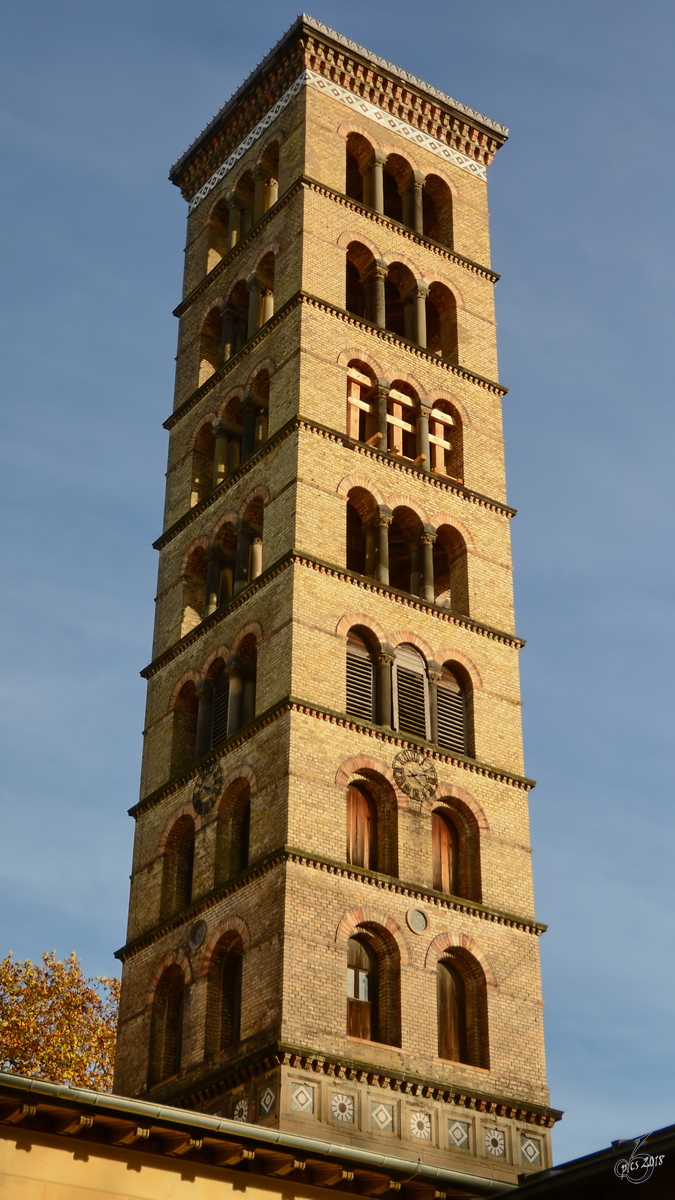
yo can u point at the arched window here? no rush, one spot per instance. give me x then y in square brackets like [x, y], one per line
[166, 1028]
[261, 295]
[437, 210]
[363, 999]
[178, 867]
[243, 198]
[452, 711]
[361, 828]
[452, 1040]
[221, 698]
[184, 730]
[395, 181]
[223, 1003]
[358, 155]
[232, 699]
[235, 321]
[402, 408]
[446, 441]
[373, 986]
[441, 314]
[445, 845]
[202, 465]
[360, 678]
[361, 531]
[358, 281]
[227, 441]
[233, 832]
[194, 586]
[218, 235]
[400, 316]
[210, 345]
[411, 705]
[451, 580]
[405, 551]
[361, 413]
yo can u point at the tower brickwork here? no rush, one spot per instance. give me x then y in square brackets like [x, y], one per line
[331, 925]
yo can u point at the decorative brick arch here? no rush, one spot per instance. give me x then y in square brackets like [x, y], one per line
[235, 925]
[446, 792]
[190, 676]
[265, 364]
[365, 915]
[440, 394]
[403, 377]
[408, 635]
[207, 420]
[439, 277]
[399, 500]
[253, 627]
[447, 654]
[349, 236]
[200, 542]
[279, 136]
[346, 356]
[363, 762]
[438, 171]
[258, 493]
[391, 148]
[361, 481]
[347, 127]
[227, 518]
[351, 619]
[268, 248]
[185, 810]
[462, 941]
[394, 256]
[232, 394]
[174, 957]
[445, 518]
[217, 303]
[222, 651]
[241, 772]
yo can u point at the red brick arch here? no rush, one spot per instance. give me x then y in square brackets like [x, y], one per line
[174, 956]
[409, 635]
[265, 364]
[363, 915]
[448, 941]
[363, 762]
[242, 772]
[253, 627]
[221, 651]
[198, 542]
[217, 303]
[346, 356]
[439, 277]
[258, 493]
[447, 792]
[451, 654]
[234, 393]
[229, 925]
[227, 518]
[348, 482]
[347, 127]
[348, 236]
[189, 676]
[268, 248]
[444, 518]
[394, 256]
[359, 618]
[185, 810]
[441, 394]
[399, 500]
[398, 376]
[207, 420]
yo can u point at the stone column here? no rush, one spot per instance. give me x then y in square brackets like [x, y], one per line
[382, 521]
[229, 324]
[267, 306]
[260, 186]
[416, 188]
[385, 663]
[256, 557]
[234, 674]
[376, 181]
[260, 429]
[251, 409]
[420, 293]
[272, 192]
[233, 453]
[427, 590]
[234, 221]
[214, 562]
[220, 456]
[381, 393]
[255, 288]
[423, 444]
[377, 278]
[415, 569]
[204, 690]
[244, 534]
[434, 676]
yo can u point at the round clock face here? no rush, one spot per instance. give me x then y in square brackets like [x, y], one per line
[415, 774]
[207, 788]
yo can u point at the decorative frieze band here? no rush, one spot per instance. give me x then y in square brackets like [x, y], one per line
[357, 104]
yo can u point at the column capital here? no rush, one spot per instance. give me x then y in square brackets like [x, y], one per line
[382, 387]
[378, 158]
[428, 536]
[434, 671]
[418, 179]
[204, 687]
[215, 553]
[260, 171]
[420, 288]
[379, 268]
[383, 516]
[220, 427]
[254, 284]
[385, 654]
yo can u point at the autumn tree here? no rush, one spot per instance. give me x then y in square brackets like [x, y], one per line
[57, 1024]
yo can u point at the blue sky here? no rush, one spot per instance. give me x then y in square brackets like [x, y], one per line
[97, 99]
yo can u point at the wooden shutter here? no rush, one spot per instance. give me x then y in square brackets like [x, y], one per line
[360, 680]
[451, 716]
[362, 991]
[411, 692]
[221, 701]
[444, 842]
[230, 1015]
[361, 829]
[451, 1014]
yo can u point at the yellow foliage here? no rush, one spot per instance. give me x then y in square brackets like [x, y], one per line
[57, 1024]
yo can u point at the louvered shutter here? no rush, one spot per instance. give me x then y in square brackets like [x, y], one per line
[451, 719]
[221, 698]
[360, 690]
[411, 697]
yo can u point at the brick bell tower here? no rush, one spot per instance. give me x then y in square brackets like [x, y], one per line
[331, 924]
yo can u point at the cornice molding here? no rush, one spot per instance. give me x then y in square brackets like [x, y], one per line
[314, 185]
[296, 301]
[292, 704]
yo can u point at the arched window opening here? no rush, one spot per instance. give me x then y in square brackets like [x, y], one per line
[411, 704]
[220, 562]
[452, 1039]
[405, 552]
[397, 183]
[166, 1026]
[218, 235]
[437, 211]
[445, 437]
[235, 321]
[210, 345]
[244, 196]
[243, 839]
[194, 585]
[184, 731]
[445, 849]
[223, 997]
[451, 579]
[441, 313]
[259, 399]
[261, 294]
[452, 712]
[402, 410]
[373, 987]
[359, 281]
[227, 432]
[202, 465]
[178, 867]
[358, 155]
[393, 201]
[231, 700]
[266, 175]
[362, 833]
[399, 302]
[221, 697]
[361, 532]
[361, 411]
[233, 832]
[248, 652]
[360, 678]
